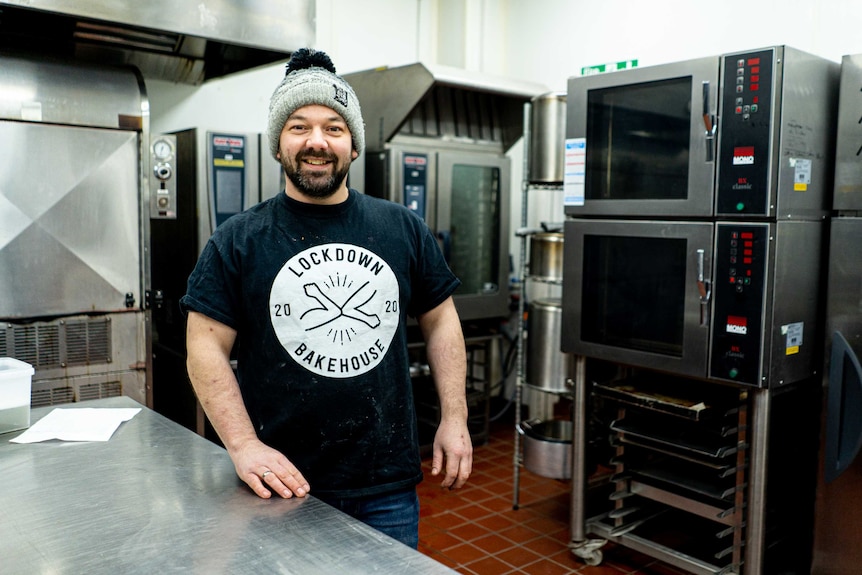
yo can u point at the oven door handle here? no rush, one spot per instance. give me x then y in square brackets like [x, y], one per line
[704, 288]
[710, 123]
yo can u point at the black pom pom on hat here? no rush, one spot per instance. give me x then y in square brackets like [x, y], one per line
[309, 58]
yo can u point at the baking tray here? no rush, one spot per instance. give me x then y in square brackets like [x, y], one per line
[688, 399]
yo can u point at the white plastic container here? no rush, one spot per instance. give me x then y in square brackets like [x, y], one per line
[15, 382]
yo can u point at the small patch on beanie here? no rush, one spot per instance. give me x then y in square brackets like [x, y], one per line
[340, 95]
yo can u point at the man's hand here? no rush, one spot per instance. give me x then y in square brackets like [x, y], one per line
[452, 446]
[265, 470]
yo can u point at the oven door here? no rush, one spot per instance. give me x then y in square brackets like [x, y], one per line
[649, 140]
[472, 223]
[637, 293]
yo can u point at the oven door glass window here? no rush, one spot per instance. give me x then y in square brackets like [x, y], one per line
[472, 243]
[639, 140]
[634, 293]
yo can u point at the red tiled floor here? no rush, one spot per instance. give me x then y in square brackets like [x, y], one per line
[476, 531]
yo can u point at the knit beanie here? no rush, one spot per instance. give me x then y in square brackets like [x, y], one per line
[311, 79]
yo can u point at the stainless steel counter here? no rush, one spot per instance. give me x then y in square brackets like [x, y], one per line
[160, 499]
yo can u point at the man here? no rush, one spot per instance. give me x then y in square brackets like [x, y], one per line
[313, 288]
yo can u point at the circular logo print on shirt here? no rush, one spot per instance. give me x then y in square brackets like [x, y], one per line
[334, 308]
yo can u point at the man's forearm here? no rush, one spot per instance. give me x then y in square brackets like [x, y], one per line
[214, 382]
[447, 359]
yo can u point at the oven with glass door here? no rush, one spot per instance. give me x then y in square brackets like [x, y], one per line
[462, 196]
[744, 135]
[728, 301]
[696, 200]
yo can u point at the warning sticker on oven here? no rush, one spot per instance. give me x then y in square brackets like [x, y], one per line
[801, 174]
[575, 171]
[793, 334]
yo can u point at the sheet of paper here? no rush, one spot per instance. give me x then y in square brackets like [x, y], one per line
[79, 424]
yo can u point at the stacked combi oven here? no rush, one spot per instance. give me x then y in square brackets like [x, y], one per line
[696, 201]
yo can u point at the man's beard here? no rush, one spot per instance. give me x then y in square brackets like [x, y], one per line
[315, 186]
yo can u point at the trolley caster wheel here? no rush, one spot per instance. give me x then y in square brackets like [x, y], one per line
[588, 551]
[594, 558]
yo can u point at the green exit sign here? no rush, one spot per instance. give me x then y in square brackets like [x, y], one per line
[613, 67]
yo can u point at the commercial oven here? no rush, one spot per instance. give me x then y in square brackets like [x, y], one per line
[733, 301]
[461, 196]
[697, 200]
[729, 158]
[200, 178]
[72, 230]
[436, 141]
[744, 135]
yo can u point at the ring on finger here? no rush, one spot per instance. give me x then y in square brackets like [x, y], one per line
[265, 473]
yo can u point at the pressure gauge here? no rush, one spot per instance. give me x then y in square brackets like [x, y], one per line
[163, 150]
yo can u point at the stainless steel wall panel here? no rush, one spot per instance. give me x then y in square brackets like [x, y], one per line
[285, 25]
[795, 303]
[70, 215]
[80, 94]
[809, 95]
[848, 167]
[187, 42]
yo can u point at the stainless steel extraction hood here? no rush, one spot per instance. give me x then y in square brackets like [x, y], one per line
[185, 41]
[441, 102]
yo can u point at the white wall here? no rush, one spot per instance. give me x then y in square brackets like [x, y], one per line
[551, 40]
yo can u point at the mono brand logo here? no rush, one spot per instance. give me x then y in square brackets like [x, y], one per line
[743, 156]
[736, 324]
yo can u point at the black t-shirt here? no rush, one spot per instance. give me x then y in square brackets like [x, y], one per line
[319, 296]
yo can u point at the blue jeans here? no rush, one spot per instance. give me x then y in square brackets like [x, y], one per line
[396, 514]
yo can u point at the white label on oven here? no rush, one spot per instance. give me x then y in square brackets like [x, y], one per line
[793, 333]
[573, 178]
[801, 174]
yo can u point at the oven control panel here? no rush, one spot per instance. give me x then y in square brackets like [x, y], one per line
[228, 175]
[745, 124]
[163, 181]
[415, 177]
[738, 302]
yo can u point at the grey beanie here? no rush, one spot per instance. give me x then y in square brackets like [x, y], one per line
[311, 79]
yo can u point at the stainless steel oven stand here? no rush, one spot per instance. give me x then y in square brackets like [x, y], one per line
[761, 407]
[588, 550]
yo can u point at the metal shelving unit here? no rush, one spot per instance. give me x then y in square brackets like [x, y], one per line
[524, 233]
[680, 467]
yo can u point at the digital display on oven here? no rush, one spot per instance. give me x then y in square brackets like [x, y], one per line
[738, 296]
[744, 155]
